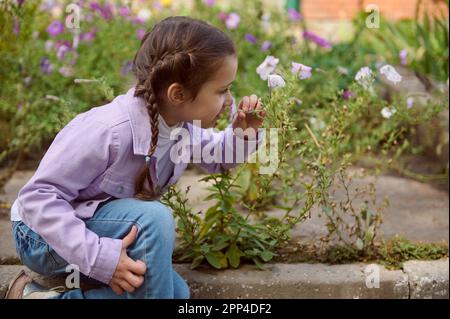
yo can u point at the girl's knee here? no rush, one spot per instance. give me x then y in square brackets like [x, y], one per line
[157, 219]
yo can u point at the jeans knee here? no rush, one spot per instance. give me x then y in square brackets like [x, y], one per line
[158, 221]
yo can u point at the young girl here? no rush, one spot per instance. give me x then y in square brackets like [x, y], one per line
[93, 201]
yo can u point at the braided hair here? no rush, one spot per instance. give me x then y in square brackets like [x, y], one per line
[178, 49]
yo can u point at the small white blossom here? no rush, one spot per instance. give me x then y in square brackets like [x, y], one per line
[267, 67]
[144, 14]
[390, 73]
[387, 112]
[275, 81]
[364, 77]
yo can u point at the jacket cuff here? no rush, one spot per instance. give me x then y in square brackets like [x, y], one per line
[107, 259]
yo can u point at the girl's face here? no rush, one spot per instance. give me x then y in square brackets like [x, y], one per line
[213, 97]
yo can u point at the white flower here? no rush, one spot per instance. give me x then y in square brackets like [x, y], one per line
[267, 67]
[390, 73]
[144, 14]
[303, 71]
[275, 81]
[387, 112]
[364, 77]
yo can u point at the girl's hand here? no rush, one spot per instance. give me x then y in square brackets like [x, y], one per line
[250, 113]
[129, 274]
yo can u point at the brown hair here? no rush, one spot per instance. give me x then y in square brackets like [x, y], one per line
[177, 49]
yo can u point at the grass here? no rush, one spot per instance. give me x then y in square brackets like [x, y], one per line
[391, 254]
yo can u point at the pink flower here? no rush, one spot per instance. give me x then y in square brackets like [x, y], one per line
[301, 70]
[294, 15]
[347, 94]
[232, 22]
[55, 28]
[140, 33]
[210, 3]
[223, 16]
[88, 36]
[124, 11]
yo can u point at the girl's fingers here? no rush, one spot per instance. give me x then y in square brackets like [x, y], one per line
[117, 290]
[253, 102]
[245, 104]
[126, 286]
[137, 267]
[135, 281]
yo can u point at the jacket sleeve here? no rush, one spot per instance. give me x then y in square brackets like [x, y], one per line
[79, 153]
[217, 151]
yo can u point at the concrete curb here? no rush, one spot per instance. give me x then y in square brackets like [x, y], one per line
[419, 279]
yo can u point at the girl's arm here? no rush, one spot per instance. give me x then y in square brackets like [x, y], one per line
[79, 154]
[230, 147]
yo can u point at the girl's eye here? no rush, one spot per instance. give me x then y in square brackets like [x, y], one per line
[224, 92]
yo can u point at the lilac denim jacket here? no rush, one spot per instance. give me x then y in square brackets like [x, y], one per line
[96, 156]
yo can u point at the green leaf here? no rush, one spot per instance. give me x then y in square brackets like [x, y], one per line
[217, 259]
[267, 255]
[234, 255]
[258, 263]
[197, 261]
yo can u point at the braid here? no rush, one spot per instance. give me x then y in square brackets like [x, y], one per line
[146, 90]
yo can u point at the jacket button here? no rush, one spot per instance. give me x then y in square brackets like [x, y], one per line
[119, 189]
[89, 203]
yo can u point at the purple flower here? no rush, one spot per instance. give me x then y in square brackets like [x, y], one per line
[210, 3]
[140, 33]
[301, 70]
[48, 45]
[409, 102]
[250, 38]
[126, 68]
[46, 66]
[232, 22]
[66, 71]
[124, 11]
[61, 48]
[88, 36]
[294, 15]
[321, 42]
[20, 2]
[266, 46]
[105, 11]
[55, 28]
[347, 94]
[403, 57]
[16, 28]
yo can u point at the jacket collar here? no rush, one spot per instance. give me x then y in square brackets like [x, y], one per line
[139, 122]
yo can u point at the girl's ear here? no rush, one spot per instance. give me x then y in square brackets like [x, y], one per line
[176, 94]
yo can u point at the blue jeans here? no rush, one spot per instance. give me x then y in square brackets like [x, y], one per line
[154, 245]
